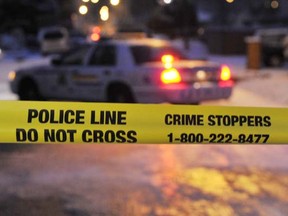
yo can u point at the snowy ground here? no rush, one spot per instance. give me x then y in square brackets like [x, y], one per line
[270, 83]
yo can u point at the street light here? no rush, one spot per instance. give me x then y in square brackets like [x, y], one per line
[114, 2]
[104, 13]
[163, 2]
[274, 4]
[83, 9]
[167, 1]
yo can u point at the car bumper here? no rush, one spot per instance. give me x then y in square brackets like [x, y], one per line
[196, 95]
[187, 94]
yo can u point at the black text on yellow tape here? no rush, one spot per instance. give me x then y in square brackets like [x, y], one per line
[66, 122]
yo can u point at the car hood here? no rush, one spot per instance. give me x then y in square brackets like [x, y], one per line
[35, 69]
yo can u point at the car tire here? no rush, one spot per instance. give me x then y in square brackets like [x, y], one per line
[120, 94]
[29, 91]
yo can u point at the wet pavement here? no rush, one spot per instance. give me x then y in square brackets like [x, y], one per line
[144, 180]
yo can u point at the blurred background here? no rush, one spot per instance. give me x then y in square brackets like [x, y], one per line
[212, 21]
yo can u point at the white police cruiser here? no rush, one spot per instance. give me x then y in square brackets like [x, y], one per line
[142, 70]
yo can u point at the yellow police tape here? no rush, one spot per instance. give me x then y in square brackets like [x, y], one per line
[73, 122]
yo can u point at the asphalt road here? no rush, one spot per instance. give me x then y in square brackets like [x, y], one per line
[144, 180]
[166, 180]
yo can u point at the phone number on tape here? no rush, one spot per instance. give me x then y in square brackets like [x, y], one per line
[218, 138]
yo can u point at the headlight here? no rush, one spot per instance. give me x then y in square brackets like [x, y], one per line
[12, 75]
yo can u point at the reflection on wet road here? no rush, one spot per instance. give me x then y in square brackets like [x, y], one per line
[211, 191]
[166, 180]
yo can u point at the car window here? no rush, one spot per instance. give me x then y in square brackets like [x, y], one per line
[104, 55]
[76, 56]
[53, 35]
[143, 54]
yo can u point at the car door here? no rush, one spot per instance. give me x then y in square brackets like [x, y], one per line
[66, 71]
[100, 68]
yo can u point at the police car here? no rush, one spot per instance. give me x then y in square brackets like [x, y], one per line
[127, 71]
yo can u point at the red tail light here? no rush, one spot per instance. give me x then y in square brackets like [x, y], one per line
[95, 37]
[225, 74]
[170, 76]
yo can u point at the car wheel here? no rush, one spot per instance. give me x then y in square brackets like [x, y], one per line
[29, 91]
[120, 94]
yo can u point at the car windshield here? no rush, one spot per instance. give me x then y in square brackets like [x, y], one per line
[143, 54]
